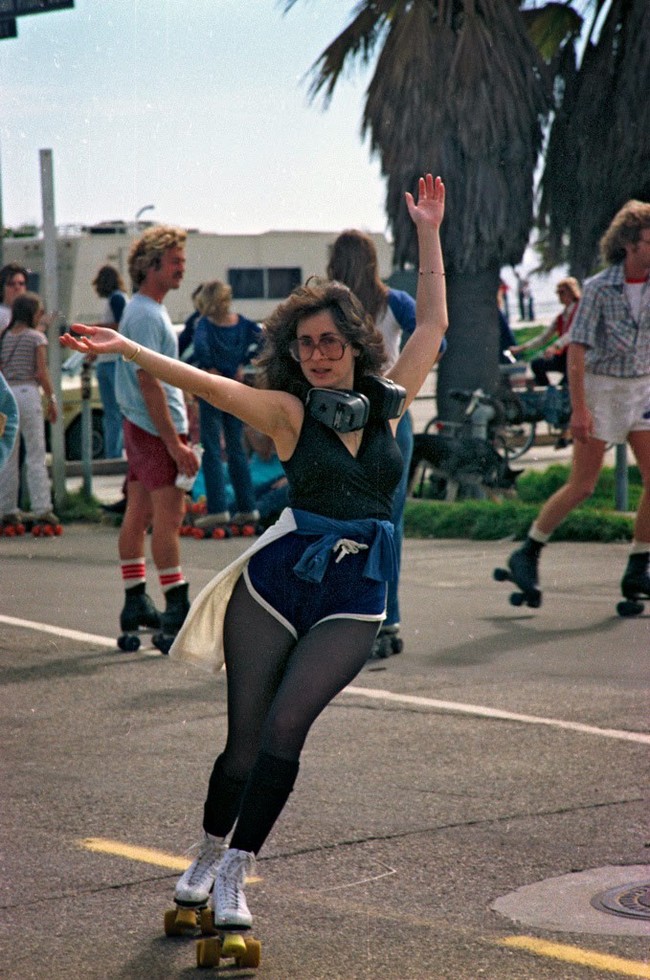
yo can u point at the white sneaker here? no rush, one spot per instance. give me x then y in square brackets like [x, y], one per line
[246, 517]
[209, 521]
[228, 899]
[195, 884]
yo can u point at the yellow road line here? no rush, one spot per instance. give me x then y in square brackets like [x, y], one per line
[146, 855]
[583, 957]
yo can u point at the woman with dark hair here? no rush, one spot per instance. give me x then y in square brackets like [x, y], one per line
[300, 609]
[23, 361]
[109, 285]
[354, 261]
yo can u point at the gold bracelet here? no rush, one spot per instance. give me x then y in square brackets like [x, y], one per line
[133, 355]
[430, 271]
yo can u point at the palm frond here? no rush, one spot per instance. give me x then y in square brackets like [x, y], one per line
[357, 42]
[599, 148]
[463, 97]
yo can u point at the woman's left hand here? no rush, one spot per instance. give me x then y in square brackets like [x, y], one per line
[430, 207]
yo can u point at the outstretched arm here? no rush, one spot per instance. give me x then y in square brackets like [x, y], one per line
[272, 412]
[421, 350]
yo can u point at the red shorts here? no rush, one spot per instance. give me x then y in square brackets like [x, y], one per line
[149, 462]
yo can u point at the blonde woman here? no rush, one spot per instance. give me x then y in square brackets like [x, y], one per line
[224, 342]
[554, 356]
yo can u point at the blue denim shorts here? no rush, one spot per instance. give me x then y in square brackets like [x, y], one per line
[344, 593]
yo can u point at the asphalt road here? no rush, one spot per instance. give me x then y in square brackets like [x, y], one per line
[456, 812]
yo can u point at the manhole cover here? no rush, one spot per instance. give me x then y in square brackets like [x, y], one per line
[629, 900]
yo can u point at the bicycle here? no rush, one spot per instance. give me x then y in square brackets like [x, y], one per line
[471, 458]
[525, 409]
[466, 459]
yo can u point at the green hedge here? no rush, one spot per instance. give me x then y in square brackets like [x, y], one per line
[80, 507]
[485, 520]
[536, 487]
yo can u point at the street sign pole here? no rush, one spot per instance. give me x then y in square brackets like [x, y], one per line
[51, 298]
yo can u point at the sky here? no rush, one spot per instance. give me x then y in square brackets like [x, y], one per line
[199, 107]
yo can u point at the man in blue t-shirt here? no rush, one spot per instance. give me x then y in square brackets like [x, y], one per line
[155, 438]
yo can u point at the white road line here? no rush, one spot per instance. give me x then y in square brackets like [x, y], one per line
[28, 624]
[377, 694]
[482, 712]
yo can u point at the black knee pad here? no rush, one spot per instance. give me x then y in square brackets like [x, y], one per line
[273, 773]
[221, 806]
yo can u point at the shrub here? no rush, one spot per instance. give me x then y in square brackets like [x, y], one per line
[485, 520]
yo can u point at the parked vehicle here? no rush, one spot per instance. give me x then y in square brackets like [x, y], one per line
[71, 407]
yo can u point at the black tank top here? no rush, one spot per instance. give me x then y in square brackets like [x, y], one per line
[325, 478]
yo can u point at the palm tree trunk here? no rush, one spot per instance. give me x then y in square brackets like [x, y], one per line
[472, 357]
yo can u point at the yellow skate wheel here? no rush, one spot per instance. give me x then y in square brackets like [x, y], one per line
[170, 922]
[186, 920]
[208, 952]
[207, 923]
[180, 922]
[251, 958]
[233, 945]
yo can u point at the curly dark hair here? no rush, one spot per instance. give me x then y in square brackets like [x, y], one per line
[280, 372]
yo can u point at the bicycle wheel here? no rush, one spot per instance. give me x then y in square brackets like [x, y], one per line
[515, 440]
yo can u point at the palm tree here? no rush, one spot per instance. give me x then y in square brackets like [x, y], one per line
[458, 89]
[598, 153]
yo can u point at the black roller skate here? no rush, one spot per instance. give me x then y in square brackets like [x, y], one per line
[138, 615]
[387, 642]
[635, 585]
[522, 570]
[177, 606]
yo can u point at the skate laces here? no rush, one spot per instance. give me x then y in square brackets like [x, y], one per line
[231, 877]
[209, 854]
[346, 546]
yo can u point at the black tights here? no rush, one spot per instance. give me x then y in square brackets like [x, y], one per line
[277, 687]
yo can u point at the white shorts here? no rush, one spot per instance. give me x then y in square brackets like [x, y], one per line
[618, 406]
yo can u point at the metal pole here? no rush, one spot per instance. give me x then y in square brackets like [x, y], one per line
[51, 298]
[621, 487]
[86, 430]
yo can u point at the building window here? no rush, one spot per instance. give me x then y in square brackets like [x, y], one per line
[246, 283]
[264, 283]
[281, 282]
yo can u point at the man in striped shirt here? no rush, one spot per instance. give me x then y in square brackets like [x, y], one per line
[609, 381]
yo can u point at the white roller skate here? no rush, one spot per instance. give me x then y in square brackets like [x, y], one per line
[194, 886]
[228, 899]
[193, 889]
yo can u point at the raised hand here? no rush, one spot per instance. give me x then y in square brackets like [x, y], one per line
[430, 207]
[95, 340]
